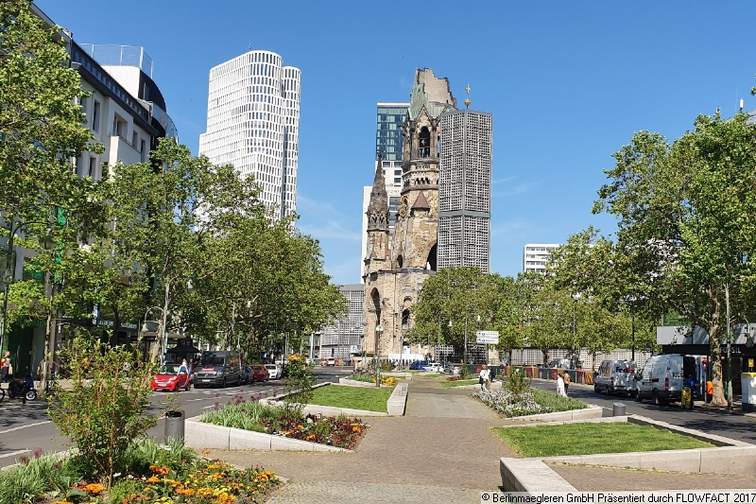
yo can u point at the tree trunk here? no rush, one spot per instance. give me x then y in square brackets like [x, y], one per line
[50, 334]
[164, 320]
[545, 353]
[718, 399]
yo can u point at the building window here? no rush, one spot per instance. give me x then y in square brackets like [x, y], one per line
[96, 117]
[134, 139]
[119, 126]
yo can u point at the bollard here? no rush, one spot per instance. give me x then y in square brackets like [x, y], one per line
[174, 426]
[618, 409]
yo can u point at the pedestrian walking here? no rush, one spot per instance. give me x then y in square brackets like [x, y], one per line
[567, 380]
[484, 378]
[560, 384]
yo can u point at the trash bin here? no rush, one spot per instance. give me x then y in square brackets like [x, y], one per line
[174, 426]
[618, 409]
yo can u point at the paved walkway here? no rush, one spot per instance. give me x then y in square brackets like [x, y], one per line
[442, 450]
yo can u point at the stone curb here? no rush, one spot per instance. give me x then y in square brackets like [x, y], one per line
[398, 401]
[202, 435]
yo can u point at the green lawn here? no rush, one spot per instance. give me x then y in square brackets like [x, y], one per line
[554, 402]
[371, 399]
[591, 438]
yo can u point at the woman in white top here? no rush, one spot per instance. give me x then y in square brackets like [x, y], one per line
[560, 385]
[485, 377]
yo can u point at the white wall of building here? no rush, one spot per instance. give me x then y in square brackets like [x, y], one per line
[535, 256]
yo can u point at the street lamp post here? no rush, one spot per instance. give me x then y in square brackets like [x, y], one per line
[376, 360]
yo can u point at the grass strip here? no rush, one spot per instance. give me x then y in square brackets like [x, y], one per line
[362, 398]
[593, 438]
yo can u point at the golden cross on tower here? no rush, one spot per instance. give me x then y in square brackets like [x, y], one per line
[468, 101]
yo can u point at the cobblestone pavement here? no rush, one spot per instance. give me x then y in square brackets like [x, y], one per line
[442, 451]
[608, 478]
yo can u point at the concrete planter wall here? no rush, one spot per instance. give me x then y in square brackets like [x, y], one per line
[202, 435]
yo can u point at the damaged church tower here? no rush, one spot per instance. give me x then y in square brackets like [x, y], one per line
[398, 262]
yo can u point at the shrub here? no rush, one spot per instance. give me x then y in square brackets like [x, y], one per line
[106, 407]
[517, 383]
[299, 380]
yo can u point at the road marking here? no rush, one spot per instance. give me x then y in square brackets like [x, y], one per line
[13, 429]
[14, 453]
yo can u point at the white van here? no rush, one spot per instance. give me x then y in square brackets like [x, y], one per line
[663, 377]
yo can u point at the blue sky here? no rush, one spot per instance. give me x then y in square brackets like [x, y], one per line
[567, 82]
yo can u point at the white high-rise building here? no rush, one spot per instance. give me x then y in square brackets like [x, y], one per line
[253, 123]
[535, 256]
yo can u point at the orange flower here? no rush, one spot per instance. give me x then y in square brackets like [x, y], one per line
[185, 491]
[94, 488]
[356, 428]
[153, 479]
[161, 470]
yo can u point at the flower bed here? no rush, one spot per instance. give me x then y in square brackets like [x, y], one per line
[529, 402]
[370, 378]
[153, 474]
[343, 432]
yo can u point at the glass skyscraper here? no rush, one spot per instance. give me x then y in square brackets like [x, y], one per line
[388, 143]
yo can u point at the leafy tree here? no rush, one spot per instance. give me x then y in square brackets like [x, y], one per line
[456, 301]
[42, 130]
[686, 214]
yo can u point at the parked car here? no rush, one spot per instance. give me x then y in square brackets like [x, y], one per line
[275, 371]
[663, 377]
[434, 367]
[418, 365]
[615, 376]
[170, 379]
[331, 362]
[259, 373]
[218, 369]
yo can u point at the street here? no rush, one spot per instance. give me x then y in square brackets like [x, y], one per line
[26, 428]
[730, 425]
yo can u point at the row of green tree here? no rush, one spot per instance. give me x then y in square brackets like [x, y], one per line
[175, 239]
[685, 244]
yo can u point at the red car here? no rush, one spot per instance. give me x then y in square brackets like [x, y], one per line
[169, 378]
[259, 373]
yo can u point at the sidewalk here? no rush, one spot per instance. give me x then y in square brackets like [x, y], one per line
[442, 451]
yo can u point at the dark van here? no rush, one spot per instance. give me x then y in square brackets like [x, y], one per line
[218, 369]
